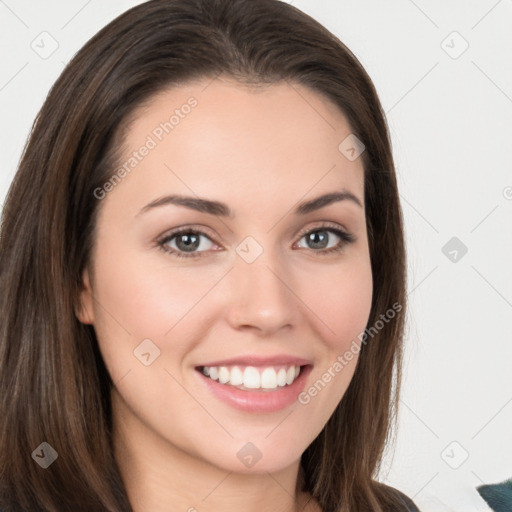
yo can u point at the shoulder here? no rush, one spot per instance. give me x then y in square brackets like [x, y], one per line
[309, 504]
[408, 503]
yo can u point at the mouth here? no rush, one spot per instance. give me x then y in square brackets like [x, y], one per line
[250, 378]
[256, 385]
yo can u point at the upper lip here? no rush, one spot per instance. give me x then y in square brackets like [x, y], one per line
[256, 360]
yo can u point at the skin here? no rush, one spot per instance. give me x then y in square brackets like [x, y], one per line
[261, 151]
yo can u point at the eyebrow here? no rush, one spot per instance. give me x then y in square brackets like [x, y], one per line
[217, 208]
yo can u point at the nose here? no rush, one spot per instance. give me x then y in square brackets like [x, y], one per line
[262, 297]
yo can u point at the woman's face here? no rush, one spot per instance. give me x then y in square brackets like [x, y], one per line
[244, 297]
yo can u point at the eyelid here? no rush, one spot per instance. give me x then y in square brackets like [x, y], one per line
[324, 224]
[185, 229]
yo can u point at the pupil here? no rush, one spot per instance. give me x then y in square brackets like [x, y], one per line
[318, 239]
[189, 242]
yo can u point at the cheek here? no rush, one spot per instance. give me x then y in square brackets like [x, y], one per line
[343, 302]
[135, 295]
[341, 299]
[138, 298]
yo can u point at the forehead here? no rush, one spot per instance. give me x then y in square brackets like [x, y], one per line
[263, 141]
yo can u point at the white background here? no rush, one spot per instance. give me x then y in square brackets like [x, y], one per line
[450, 118]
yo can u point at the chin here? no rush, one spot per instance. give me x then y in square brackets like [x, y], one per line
[258, 454]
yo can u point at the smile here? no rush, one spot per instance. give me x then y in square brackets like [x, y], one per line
[253, 378]
[256, 384]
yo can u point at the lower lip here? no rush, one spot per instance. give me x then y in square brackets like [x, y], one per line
[258, 400]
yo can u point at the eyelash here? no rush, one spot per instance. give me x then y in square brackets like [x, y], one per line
[346, 238]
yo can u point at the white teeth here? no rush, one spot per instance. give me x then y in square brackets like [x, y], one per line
[223, 375]
[269, 379]
[290, 375]
[251, 377]
[237, 377]
[281, 377]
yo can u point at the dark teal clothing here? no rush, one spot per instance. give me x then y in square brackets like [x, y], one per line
[498, 496]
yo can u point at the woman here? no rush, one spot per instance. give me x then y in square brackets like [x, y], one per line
[203, 273]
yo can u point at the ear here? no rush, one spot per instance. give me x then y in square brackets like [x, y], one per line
[85, 310]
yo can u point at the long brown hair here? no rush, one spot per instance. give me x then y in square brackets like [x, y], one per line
[54, 385]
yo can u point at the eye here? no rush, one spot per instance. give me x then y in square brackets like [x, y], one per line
[190, 242]
[326, 240]
[185, 243]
